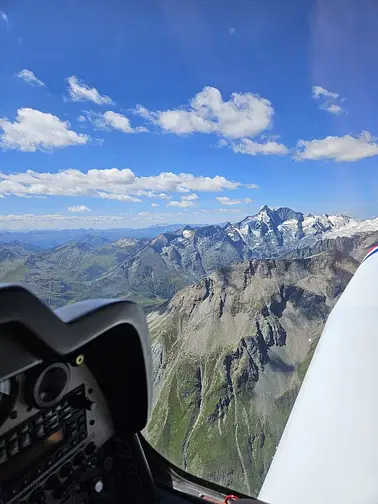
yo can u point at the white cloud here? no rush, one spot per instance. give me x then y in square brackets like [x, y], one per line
[247, 146]
[251, 186]
[91, 220]
[112, 183]
[318, 92]
[327, 100]
[78, 208]
[190, 197]
[231, 31]
[223, 200]
[155, 204]
[151, 194]
[335, 109]
[112, 120]
[29, 77]
[60, 221]
[181, 204]
[186, 201]
[228, 210]
[122, 123]
[3, 16]
[118, 197]
[35, 130]
[144, 214]
[346, 148]
[78, 91]
[244, 115]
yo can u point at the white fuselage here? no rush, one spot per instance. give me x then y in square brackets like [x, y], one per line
[328, 452]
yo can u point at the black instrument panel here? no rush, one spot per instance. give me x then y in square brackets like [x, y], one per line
[75, 387]
[40, 444]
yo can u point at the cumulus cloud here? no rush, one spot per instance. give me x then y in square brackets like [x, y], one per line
[228, 210]
[186, 201]
[223, 200]
[181, 204]
[79, 91]
[29, 77]
[112, 183]
[35, 130]
[327, 100]
[244, 115]
[335, 109]
[112, 120]
[247, 146]
[346, 148]
[4, 16]
[155, 204]
[319, 92]
[78, 209]
[251, 186]
[190, 197]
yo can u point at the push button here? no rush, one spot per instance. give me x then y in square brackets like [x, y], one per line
[25, 440]
[3, 456]
[13, 448]
[40, 432]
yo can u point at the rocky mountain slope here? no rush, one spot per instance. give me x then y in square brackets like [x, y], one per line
[230, 353]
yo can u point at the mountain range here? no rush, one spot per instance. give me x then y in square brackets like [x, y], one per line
[152, 270]
[50, 238]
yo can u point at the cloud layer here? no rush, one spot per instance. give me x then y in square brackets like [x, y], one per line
[78, 91]
[113, 183]
[29, 77]
[35, 130]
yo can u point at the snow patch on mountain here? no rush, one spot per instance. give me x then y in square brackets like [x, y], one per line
[354, 227]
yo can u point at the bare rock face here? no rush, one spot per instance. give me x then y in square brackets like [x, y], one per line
[232, 351]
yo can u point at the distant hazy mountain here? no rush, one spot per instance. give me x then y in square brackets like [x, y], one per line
[52, 238]
[230, 353]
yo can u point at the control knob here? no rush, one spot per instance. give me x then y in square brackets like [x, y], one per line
[93, 486]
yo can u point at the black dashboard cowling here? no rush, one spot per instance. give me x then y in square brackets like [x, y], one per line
[111, 333]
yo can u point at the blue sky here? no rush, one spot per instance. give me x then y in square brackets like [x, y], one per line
[126, 114]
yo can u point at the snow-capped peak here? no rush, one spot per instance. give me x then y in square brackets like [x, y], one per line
[273, 230]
